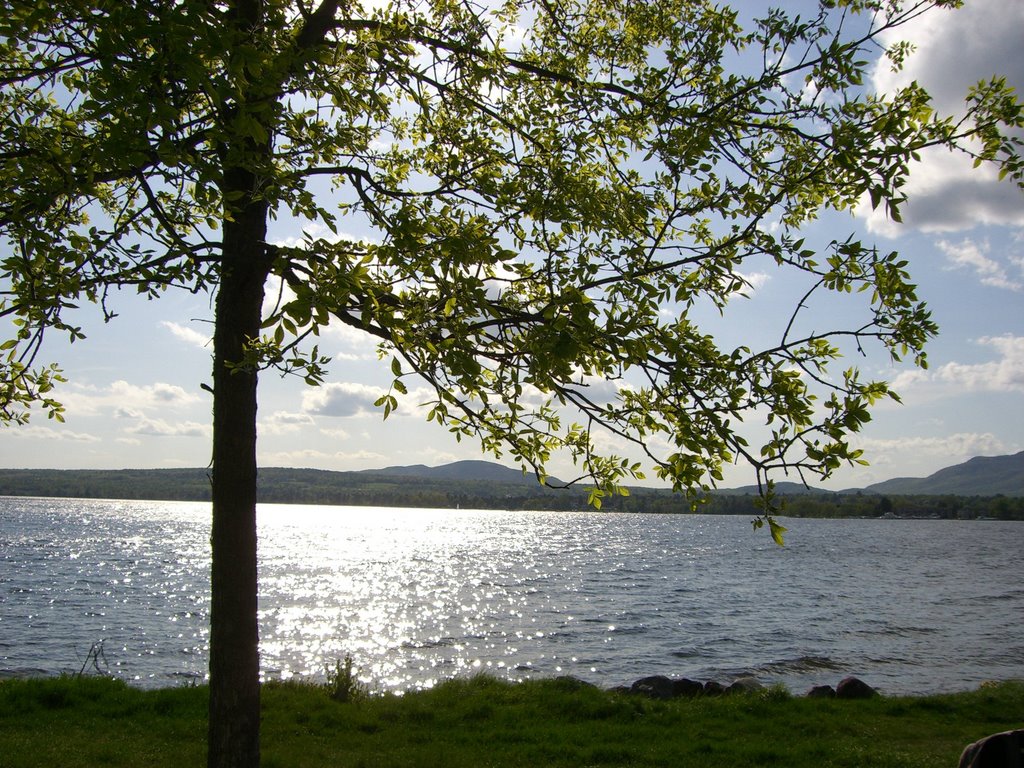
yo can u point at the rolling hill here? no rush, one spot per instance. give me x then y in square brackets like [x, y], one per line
[461, 471]
[479, 484]
[980, 476]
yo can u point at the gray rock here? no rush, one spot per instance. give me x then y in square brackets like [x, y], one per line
[711, 688]
[687, 688]
[570, 683]
[655, 687]
[822, 692]
[853, 688]
[744, 685]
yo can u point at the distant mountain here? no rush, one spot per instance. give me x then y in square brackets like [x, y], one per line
[465, 484]
[461, 471]
[980, 476]
[783, 488]
[488, 485]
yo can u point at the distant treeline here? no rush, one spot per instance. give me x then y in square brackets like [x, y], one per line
[834, 505]
[307, 486]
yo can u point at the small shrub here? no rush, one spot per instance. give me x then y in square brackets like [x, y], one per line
[342, 684]
[776, 693]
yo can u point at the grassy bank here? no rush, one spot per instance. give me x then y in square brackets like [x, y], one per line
[483, 722]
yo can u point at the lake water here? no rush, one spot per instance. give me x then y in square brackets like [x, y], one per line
[418, 596]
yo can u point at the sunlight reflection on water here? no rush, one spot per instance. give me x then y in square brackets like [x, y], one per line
[418, 596]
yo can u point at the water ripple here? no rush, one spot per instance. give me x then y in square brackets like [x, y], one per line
[419, 595]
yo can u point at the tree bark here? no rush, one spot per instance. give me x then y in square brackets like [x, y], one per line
[234, 716]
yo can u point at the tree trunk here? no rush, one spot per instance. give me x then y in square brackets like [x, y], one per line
[234, 717]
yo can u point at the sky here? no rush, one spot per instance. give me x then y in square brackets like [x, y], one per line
[134, 398]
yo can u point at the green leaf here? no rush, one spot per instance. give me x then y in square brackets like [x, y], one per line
[777, 531]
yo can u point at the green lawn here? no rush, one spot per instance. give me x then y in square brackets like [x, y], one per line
[483, 722]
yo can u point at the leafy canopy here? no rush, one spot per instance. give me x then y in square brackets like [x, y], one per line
[548, 193]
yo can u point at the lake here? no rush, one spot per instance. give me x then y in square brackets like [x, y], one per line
[416, 596]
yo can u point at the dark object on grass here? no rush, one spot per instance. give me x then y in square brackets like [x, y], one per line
[687, 688]
[854, 688]
[661, 687]
[822, 692]
[711, 688]
[655, 686]
[570, 683]
[744, 685]
[1001, 750]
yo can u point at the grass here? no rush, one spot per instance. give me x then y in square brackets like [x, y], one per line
[483, 722]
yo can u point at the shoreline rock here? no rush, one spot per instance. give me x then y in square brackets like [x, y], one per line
[854, 688]
[821, 692]
[662, 688]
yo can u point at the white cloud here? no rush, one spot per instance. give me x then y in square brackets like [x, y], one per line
[164, 428]
[317, 230]
[755, 281]
[275, 294]
[985, 37]
[950, 449]
[126, 399]
[341, 399]
[188, 335]
[158, 394]
[346, 399]
[910, 378]
[348, 357]
[363, 346]
[946, 193]
[598, 389]
[976, 257]
[1005, 374]
[284, 422]
[35, 432]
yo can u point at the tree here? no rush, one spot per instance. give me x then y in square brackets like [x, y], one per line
[555, 189]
